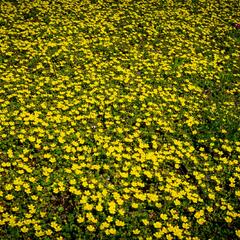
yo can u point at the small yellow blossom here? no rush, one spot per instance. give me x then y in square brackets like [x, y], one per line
[24, 229]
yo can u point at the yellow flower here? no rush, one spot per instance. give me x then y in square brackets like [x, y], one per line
[73, 181]
[153, 197]
[134, 205]
[88, 207]
[34, 197]
[201, 221]
[56, 227]
[157, 225]
[104, 225]
[119, 223]
[43, 214]
[24, 229]
[209, 209]
[211, 196]
[199, 214]
[185, 225]
[109, 219]
[164, 216]
[9, 197]
[136, 231]
[90, 228]
[32, 139]
[10, 153]
[112, 207]
[191, 209]
[120, 201]
[112, 231]
[32, 209]
[80, 219]
[39, 188]
[238, 233]
[228, 219]
[15, 209]
[99, 208]
[121, 211]
[60, 238]
[28, 215]
[39, 233]
[8, 187]
[177, 202]
[158, 234]
[48, 232]
[145, 222]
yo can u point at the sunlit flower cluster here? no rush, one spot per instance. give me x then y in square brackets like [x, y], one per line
[119, 119]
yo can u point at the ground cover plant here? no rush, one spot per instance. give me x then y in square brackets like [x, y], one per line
[119, 119]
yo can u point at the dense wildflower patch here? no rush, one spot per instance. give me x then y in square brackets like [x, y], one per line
[119, 119]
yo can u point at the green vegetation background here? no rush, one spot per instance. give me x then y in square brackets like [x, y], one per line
[119, 119]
